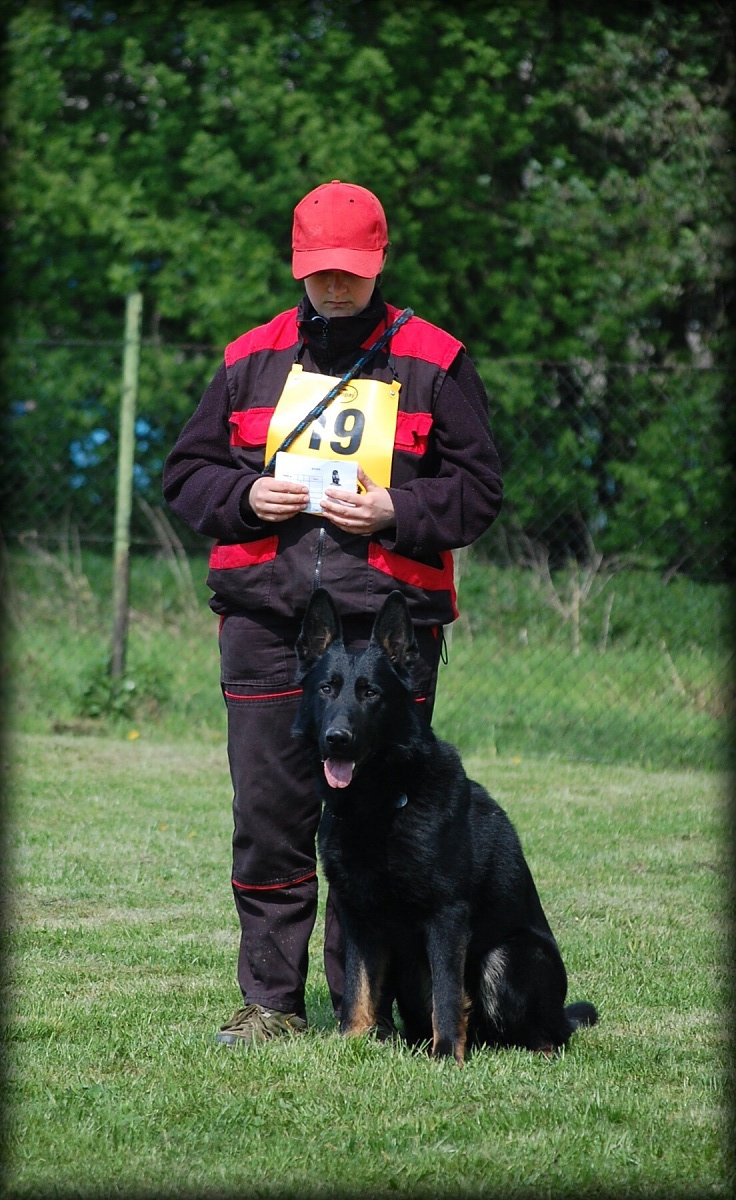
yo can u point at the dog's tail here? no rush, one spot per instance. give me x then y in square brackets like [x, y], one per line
[581, 1013]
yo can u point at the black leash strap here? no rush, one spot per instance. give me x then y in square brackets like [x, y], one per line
[324, 403]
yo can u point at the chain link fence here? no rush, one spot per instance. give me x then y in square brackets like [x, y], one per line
[594, 612]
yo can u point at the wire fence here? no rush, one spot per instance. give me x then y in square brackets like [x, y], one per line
[602, 589]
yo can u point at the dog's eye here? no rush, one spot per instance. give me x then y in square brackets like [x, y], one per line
[325, 688]
[369, 691]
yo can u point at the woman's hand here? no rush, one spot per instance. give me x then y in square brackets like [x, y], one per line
[277, 499]
[362, 512]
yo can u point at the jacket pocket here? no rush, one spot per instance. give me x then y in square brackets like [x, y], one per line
[409, 570]
[250, 427]
[241, 574]
[412, 431]
[225, 557]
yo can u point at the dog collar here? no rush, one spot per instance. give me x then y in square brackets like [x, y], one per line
[330, 809]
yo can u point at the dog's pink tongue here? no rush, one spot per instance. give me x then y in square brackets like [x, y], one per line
[337, 773]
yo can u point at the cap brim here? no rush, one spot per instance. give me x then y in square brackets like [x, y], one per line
[366, 263]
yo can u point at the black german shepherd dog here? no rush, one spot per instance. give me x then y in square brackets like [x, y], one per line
[437, 903]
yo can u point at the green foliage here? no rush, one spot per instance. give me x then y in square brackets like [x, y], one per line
[674, 494]
[558, 183]
[60, 450]
[139, 694]
[553, 195]
[638, 458]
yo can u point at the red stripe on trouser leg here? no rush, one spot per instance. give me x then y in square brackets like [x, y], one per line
[271, 887]
[276, 810]
[276, 805]
[274, 946]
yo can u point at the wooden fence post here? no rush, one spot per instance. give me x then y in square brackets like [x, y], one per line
[124, 496]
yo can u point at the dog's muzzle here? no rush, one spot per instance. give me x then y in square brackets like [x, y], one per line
[338, 762]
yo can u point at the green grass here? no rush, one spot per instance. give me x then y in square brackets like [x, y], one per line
[652, 683]
[59, 629]
[545, 702]
[122, 963]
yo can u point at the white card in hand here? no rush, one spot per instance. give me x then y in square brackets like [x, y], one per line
[317, 474]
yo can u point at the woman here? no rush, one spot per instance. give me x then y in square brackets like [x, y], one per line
[413, 423]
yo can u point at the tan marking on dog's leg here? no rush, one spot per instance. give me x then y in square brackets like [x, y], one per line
[435, 1036]
[364, 1012]
[463, 1032]
[458, 1045]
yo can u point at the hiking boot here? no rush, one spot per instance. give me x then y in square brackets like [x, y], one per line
[257, 1024]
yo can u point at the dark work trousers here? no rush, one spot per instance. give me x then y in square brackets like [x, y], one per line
[276, 804]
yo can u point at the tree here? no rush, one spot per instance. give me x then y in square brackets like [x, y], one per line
[554, 175]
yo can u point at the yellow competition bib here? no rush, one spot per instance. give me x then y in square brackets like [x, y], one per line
[359, 424]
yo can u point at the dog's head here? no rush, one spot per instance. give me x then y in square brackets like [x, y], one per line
[356, 704]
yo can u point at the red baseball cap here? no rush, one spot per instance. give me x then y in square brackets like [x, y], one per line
[339, 227]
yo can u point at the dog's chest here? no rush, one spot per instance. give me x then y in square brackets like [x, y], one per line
[380, 866]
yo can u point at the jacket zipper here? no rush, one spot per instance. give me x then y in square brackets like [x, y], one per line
[318, 559]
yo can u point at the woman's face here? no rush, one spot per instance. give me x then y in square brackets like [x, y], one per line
[338, 293]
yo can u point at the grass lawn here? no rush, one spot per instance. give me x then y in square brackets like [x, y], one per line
[659, 694]
[122, 965]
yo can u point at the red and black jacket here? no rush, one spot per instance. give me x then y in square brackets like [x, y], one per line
[445, 476]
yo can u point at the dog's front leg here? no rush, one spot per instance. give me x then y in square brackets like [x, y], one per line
[446, 946]
[365, 970]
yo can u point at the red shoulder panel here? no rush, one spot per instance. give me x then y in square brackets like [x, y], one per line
[279, 334]
[420, 339]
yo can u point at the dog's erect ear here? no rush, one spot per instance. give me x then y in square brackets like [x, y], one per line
[321, 626]
[394, 632]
